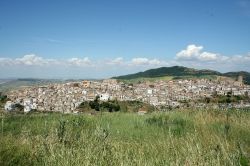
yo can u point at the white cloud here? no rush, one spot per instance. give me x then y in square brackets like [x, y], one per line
[5, 61]
[79, 62]
[193, 52]
[139, 61]
[116, 61]
[146, 61]
[154, 62]
[207, 56]
[34, 60]
[190, 52]
[31, 59]
[193, 56]
[26, 60]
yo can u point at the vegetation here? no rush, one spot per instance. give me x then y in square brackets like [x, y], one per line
[227, 99]
[114, 106]
[180, 72]
[190, 137]
[209, 77]
[110, 105]
[3, 99]
[169, 71]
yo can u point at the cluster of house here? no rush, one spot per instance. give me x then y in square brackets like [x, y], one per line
[67, 97]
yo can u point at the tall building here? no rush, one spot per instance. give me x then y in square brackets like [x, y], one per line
[240, 79]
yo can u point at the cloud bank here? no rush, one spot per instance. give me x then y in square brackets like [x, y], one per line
[193, 52]
[195, 56]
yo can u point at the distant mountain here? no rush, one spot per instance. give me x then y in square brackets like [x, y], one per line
[14, 84]
[180, 71]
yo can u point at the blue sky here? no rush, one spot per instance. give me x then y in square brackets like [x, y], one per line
[97, 38]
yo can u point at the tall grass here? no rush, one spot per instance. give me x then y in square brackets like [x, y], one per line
[191, 137]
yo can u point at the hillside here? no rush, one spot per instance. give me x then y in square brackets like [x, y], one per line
[246, 76]
[12, 84]
[169, 71]
[177, 72]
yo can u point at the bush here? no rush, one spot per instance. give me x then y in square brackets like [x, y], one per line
[3, 98]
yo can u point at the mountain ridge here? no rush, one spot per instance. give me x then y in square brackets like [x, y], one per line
[179, 71]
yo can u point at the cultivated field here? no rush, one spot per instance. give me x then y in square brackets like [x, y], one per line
[190, 137]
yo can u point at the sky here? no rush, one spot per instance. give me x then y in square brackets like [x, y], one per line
[105, 38]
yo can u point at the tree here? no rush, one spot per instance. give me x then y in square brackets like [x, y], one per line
[97, 98]
[94, 105]
[117, 107]
[3, 98]
[229, 94]
[228, 100]
[18, 107]
[110, 105]
[97, 107]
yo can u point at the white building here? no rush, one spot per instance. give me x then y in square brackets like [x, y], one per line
[104, 97]
[29, 104]
[153, 100]
[9, 106]
[150, 91]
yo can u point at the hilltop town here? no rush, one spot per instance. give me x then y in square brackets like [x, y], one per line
[66, 97]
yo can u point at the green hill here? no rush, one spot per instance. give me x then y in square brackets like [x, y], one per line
[177, 72]
[169, 71]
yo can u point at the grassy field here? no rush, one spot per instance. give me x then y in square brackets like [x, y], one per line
[190, 137]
